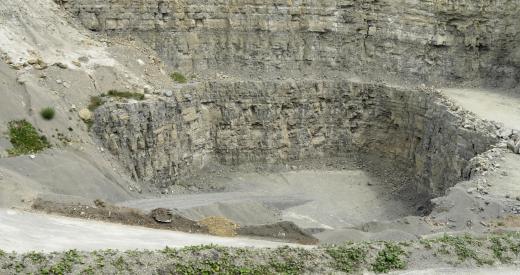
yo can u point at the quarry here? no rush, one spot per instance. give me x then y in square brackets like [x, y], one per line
[259, 136]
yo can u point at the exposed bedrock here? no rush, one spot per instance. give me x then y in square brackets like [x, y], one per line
[235, 122]
[432, 41]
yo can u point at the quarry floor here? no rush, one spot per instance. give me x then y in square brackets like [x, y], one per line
[316, 200]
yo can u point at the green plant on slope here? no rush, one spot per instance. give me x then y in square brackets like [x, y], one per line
[47, 113]
[178, 77]
[95, 102]
[347, 258]
[128, 95]
[25, 139]
[390, 258]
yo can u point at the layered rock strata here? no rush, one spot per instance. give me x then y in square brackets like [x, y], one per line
[237, 122]
[433, 41]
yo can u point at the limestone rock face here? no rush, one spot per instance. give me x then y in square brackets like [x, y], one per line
[429, 41]
[237, 122]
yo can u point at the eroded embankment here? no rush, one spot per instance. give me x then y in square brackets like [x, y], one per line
[165, 139]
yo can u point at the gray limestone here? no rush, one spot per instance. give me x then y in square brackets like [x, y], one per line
[236, 122]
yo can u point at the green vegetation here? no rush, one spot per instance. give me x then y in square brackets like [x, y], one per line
[25, 139]
[347, 258]
[47, 113]
[120, 264]
[390, 258]
[65, 265]
[211, 259]
[464, 248]
[127, 95]
[178, 77]
[499, 248]
[95, 102]
[35, 257]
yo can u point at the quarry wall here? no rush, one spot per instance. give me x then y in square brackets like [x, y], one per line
[428, 41]
[235, 122]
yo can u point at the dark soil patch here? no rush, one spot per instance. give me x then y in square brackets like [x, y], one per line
[105, 212]
[162, 218]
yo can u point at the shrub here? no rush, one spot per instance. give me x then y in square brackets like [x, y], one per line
[47, 113]
[25, 139]
[95, 102]
[178, 77]
[347, 258]
[389, 258]
[128, 95]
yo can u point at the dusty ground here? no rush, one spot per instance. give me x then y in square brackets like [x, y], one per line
[315, 200]
[24, 232]
[167, 219]
[500, 106]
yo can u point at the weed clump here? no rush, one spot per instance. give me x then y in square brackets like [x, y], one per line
[47, 113]
[390, 258]
[127, 95]
[347, 258]
[25, 139]
[178, 77]
[95, 102]
[65, 265]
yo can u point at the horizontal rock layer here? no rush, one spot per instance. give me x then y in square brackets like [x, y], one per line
[237, 122]
[435, 41]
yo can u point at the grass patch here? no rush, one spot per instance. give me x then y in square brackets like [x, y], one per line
[95, 102]
[35, 257]
[347, 258]
[499, 247]
[47, 113]
[65, 265]
[25, 139]
[390, 258]
[127, 95]
[98, 101]
[178, 77]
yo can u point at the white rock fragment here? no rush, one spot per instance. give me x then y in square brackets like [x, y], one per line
[85, 114]
[168, 93]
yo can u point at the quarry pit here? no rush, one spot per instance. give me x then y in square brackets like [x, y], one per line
[323, 154]
[302, 122]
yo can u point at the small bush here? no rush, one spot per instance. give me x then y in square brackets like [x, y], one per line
[389, 258]
[47, 113]
[347, 259]
[25, 139]
[178, 77]
[95, 102]
[128, 95]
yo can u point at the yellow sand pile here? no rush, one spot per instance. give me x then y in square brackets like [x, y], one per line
[220, 226]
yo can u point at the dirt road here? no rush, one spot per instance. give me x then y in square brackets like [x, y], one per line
[24, 231]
